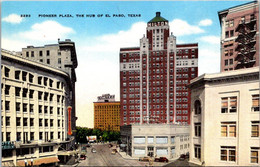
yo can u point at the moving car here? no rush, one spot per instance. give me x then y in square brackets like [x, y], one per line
[182, 157]
[161, 159]
[93, 150]
[110, 145]
[82, 157]
[145, 159]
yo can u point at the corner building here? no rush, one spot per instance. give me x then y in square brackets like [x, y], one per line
[225, 122]
[239, 36]
[34, 111]
[107, 113]
[153, 77]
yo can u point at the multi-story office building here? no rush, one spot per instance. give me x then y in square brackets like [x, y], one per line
[35, 98]
[225, 119]
[62, 56]
[107, 113]
[155, 140]
[239, 36]
[153, 77]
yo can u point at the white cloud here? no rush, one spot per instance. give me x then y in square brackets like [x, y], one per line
[47, 31]
[205, 22]
[13, 45]
[211, 39]
[209, 60]
[13, 19]
[181, 27]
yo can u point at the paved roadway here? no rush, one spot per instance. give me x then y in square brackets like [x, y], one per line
[103, 157]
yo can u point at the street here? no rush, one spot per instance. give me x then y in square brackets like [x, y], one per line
[103, 157]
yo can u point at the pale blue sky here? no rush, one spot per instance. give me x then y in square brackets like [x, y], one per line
[98, 40]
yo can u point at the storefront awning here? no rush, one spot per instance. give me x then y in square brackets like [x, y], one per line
[39, 161]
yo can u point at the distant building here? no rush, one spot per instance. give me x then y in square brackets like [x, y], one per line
[239, 36]
[35, 98]
[225, 119]
[107, 113]
[155, 140]
[153, 77]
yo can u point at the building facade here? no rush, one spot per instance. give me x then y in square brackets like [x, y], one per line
[155, 140]
[35, 98]
[153, 77]
[107, 113]
[62, 56]
[239, 36]
[225, 119]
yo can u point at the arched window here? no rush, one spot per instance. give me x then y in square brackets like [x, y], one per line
[197, 107]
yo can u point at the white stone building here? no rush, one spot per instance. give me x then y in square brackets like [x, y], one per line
[34, 99]
[225, 119]
[155, 140]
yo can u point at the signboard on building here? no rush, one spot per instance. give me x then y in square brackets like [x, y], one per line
[92, 139]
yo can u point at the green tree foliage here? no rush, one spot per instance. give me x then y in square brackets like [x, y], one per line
[82, 133]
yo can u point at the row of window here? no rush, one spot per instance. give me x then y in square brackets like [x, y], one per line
[229, 62]
[30, 122]
[29, 77]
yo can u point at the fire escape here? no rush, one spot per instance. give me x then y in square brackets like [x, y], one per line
[246, 42]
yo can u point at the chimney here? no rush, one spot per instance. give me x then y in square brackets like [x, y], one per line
[158, 14]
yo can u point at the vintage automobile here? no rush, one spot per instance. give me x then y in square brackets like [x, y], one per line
[82, 156]
[93, 150]
[182, 157]
[161, 159]
[114, 151]
[145, 159]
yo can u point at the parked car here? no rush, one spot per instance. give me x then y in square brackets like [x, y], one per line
[82, 157]
[182, 157]
[145, 159]
[114, 151]
[161, 159]
[88, 145]
[110, 145]
[93, 150]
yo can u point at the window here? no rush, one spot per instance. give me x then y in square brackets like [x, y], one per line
[51, 122]
[255, 155]
[24, 76]
[45, 109]
[40, 109]
[17, 91]
[231, 33]
[46, 122]
[228, 129]
[231, 61]
[32, 136]
[18, 136]
[197, 129]
[32, 53]
[39, 95]
[59, 60]
[227, 34]
[39, 80]
[172, 139]
[50, 82]
[48, 53]
[40, 137]
[197, 151]
[48, 61]
[24, 107]
[18, 121]
[226, 62]
[17, 74]
[25, 121]
[31, 121]
[7, 70]
[231, 102]
[31, 78]
[7, 121]
[7, 89]
[40, 53]
[51, 97]
[7, 105]
[197, 107]
[255, 128]
[31, 108]
[46, 96]
[161, 139]
[139, 139]
[228, 153]
[31, 94]
[27, 54]
[25, 91]
[40, 122]
[255, 103]
[150, 140]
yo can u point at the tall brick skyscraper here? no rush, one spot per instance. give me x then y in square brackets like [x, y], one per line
[153, 77]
